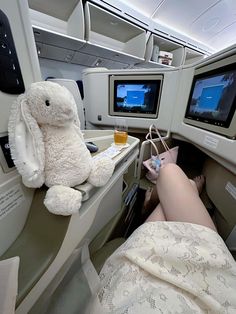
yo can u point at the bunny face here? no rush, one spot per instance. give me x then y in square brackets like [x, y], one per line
[52, 104]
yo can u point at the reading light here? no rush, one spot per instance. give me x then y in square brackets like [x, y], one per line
[68, 57]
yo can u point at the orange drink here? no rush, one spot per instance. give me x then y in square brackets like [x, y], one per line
[120, 137]
[120, 132]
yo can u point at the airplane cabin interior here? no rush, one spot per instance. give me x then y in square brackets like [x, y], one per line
[146, 63]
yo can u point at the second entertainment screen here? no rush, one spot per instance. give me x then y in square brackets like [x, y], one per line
[213, 97]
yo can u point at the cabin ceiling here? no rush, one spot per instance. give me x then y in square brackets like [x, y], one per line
[212, 22]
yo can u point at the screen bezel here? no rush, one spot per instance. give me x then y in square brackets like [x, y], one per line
[209, 74]
[114, 80]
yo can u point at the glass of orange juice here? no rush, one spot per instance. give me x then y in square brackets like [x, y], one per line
[120, 132]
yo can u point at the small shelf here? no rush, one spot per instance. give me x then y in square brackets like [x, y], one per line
[163, 44]
[151, 64]
[192, 56]
[57, 39]
[73, 26]
[104, 30]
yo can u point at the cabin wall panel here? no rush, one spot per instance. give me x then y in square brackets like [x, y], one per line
[219, 183]
[27, 57]
[17, 12]
[225, 149]
[97, 102]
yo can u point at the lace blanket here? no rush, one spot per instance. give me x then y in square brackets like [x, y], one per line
[170, 267]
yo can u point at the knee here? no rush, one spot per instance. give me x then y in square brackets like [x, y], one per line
[170, 169]
[168, 173]
[194, 186]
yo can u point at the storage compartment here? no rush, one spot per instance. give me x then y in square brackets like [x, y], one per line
[58, 39]
[71, 24]
[192, 56]
[104, 29]
[98, 37]
[159, 47]
[112, 41]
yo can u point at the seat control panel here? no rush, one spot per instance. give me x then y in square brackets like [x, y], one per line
[5, 155]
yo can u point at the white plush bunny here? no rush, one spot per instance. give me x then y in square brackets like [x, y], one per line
[47, 146]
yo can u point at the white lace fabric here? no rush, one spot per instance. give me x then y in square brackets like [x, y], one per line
[170, 267]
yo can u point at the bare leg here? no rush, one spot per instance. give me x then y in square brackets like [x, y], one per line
[194, 186]
[152, 199]
[157, 214]
[179, 199]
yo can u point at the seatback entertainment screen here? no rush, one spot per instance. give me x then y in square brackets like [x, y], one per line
[132, 96]
[213, 97]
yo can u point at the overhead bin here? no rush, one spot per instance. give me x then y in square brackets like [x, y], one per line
[73, 27]
[64, 40]
[156, 44]
[57, 39]
[192, 56]
[120, 38]
[99, 34]
[180, 54]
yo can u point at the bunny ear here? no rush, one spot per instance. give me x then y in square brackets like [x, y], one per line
[77, 127]
[76, 121]
[26, 143]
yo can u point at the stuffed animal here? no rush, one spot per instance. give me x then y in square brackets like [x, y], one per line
[48, 148]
